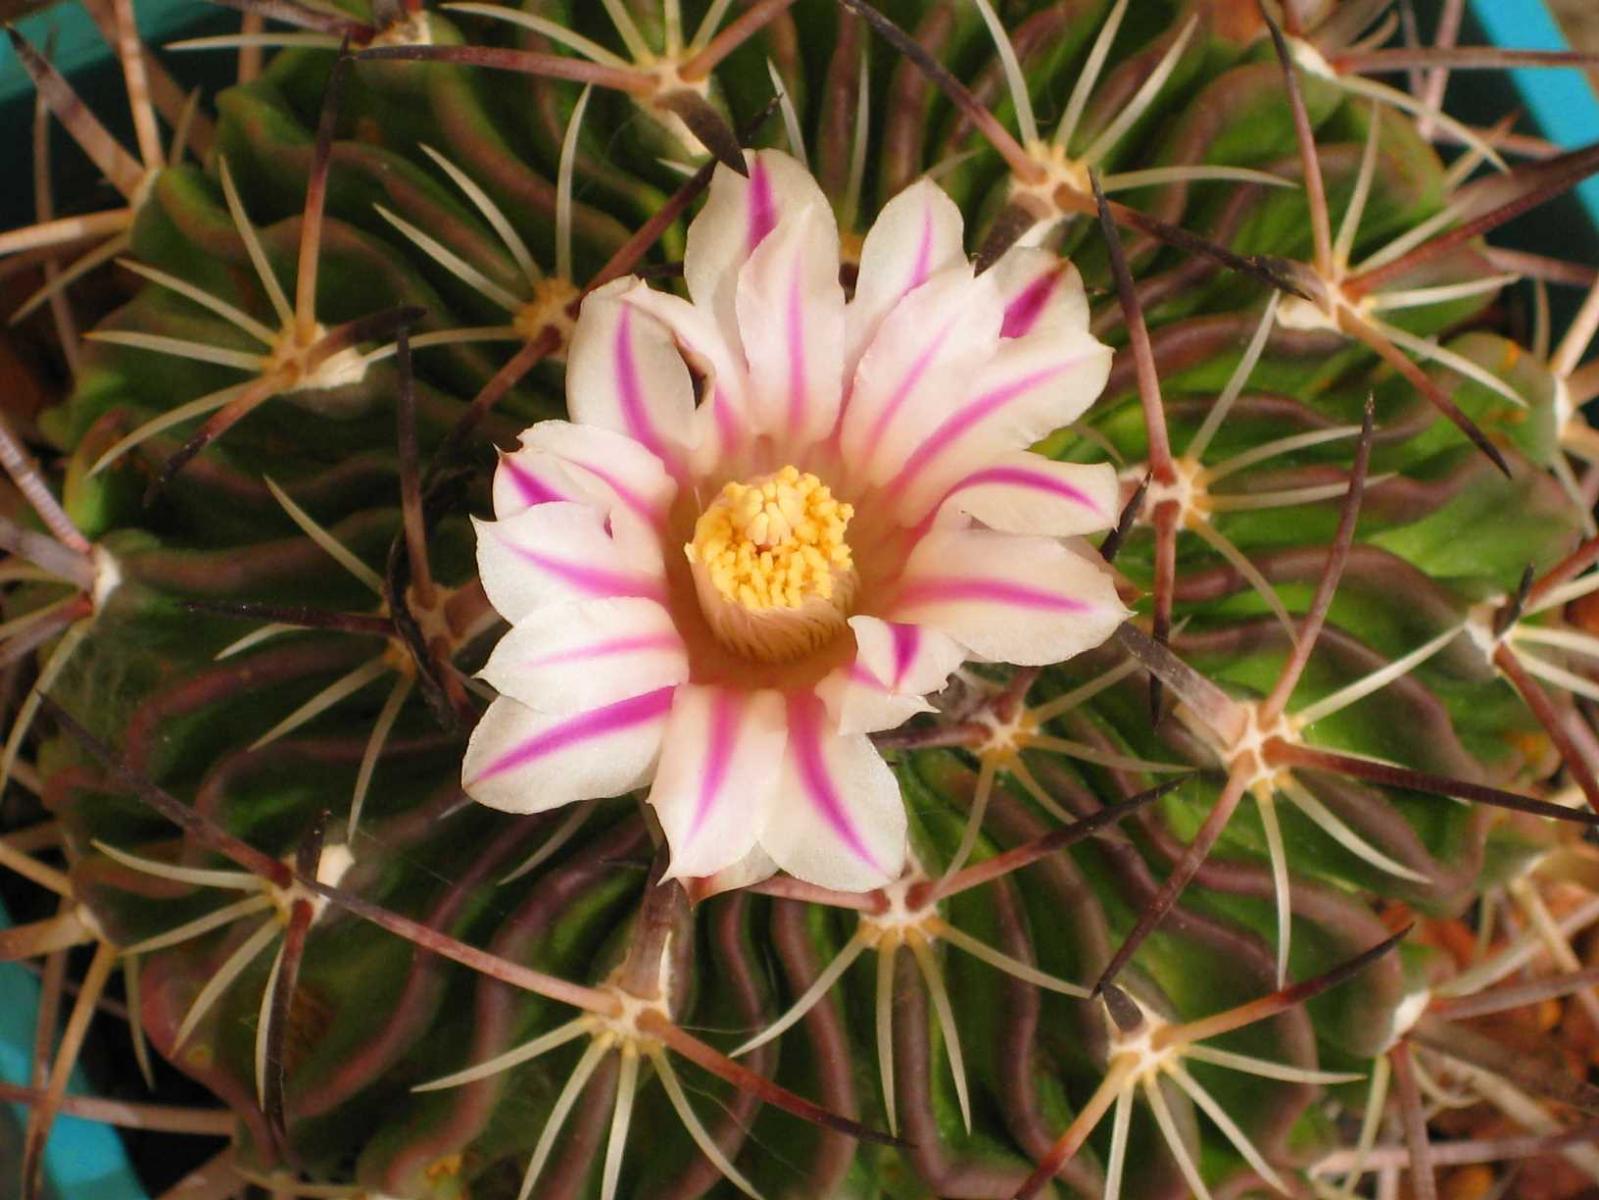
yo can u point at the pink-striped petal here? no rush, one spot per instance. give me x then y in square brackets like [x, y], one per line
[587, 653]
[1043, 293]
[917, 235]
[895, 668]
[838, 821]
[721, 423]
[738, 216]
[561, 460]
[624, 373]
[523, 761]
[563, 551]
[1027, 493]
[721, 760]
[791, 316]
[1030, 388]
[1026, 600]
[926, 351]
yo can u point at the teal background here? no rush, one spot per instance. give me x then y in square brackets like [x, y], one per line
[83, 1159]
[1561, 103]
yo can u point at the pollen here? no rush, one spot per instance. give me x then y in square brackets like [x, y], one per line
[774, 543]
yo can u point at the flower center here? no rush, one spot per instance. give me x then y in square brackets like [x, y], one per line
[772, 569]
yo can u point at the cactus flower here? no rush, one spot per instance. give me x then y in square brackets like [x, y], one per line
[779, 518]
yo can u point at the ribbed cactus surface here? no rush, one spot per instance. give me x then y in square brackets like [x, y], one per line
[1238, 845]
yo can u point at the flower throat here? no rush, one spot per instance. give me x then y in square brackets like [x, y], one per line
[771, 565]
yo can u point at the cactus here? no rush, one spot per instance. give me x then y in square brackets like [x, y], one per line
[1188, 800]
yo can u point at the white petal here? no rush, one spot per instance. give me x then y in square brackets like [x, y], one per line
[917, 368]
[859, 706]
[721, 423]
[839, 821]
[562, 551]
[791, 316]
[588, 653]
[526, 762]
[624, 373]
[895, 667]
[1030, 388]
[917, 235]
[738, 215]
[561, 460]
[1028, 493]
[1043, 294]
[719, 771]
[1025, 600]
[751, 869]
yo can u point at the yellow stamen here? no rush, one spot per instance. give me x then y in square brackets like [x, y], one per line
[776, 542]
